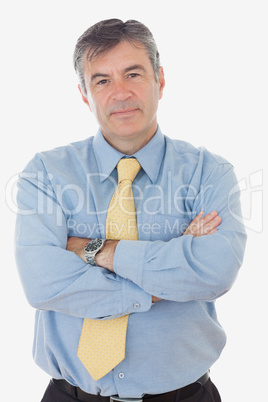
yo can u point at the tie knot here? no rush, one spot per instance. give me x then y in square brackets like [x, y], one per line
[128, 169]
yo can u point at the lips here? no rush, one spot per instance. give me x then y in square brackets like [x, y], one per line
[124, 112]
[124, 108]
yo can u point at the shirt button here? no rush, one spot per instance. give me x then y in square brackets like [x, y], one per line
[121, 375]
[136, 305]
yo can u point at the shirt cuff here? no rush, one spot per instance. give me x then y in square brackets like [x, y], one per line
[129, 260]
[128, 264]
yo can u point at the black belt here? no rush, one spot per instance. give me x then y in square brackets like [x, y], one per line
[82, 396]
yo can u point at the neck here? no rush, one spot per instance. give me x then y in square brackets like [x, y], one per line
[129, 145]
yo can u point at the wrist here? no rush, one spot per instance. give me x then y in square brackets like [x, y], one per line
[92, 248]
[105, 256]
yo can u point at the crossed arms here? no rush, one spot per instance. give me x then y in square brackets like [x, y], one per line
[200, 265]
[200, 226]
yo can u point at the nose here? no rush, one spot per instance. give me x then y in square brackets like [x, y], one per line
[121, 90]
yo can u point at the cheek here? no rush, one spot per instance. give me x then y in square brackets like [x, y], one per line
[151, 93]
[96, 106]
[152, 98]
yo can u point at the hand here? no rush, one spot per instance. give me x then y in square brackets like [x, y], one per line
[155, 299]
[206, 225]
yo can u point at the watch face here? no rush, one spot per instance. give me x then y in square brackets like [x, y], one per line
[94, 245]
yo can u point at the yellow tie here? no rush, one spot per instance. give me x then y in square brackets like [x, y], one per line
[102, 342]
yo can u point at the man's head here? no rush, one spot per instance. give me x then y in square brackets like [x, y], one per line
[107, 34]
[121, 81]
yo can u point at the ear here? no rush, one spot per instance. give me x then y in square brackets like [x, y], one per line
[161, 81]
[84, 98]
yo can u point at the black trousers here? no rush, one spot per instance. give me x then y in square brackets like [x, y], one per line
[207, 393]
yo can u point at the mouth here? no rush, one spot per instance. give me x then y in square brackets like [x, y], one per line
[124, 112]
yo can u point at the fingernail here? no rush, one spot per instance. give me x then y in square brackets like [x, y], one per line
[213, 213]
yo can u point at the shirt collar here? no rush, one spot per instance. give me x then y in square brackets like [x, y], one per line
[150, 156]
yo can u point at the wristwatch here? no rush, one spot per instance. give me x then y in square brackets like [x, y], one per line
[92, 248]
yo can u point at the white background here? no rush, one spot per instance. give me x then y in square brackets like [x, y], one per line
[215, 58]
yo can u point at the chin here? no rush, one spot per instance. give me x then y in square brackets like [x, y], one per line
[126, 131]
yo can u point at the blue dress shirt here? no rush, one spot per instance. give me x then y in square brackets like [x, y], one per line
[66, 192]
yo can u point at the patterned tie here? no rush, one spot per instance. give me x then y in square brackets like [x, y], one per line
[102, 342]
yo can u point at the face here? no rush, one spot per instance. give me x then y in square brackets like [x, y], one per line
[123, 94]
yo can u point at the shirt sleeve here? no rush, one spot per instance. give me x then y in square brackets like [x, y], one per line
[190, 268]
[54, 278]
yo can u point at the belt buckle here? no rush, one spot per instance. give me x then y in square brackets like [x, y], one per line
[116, 398]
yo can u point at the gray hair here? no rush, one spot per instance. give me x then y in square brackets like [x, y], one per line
[107, 34]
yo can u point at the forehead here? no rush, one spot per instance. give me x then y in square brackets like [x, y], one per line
[120, 57]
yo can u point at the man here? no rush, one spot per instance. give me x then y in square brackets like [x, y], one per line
[162, 280]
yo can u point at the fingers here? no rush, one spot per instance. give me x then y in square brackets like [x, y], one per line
[206, 225]
[209, 223]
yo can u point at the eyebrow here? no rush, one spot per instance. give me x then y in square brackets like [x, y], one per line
[134, 67]
[126, 70]
[99, 75]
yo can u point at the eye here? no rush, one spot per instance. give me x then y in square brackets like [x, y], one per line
[102, 82]
[133, 75]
